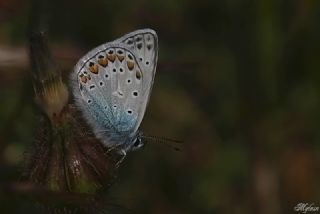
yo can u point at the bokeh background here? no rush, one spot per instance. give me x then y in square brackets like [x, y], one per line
[237, 81]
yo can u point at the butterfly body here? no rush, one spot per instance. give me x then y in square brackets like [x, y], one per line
[112, 85]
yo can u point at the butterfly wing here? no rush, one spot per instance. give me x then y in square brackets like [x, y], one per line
[112, 88]
[145, 44]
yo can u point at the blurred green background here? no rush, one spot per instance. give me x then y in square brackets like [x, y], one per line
[237, 81]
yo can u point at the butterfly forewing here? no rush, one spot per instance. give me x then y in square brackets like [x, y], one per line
[145, 44]
[112, 87]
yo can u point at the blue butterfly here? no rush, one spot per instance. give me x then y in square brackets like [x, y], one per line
[112, 85]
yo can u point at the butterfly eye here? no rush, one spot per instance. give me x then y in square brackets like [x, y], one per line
[136, 143]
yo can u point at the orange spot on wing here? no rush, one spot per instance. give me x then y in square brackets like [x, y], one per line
[130, 65]
[103, 62]
[121, 58]
[138, 74]
[93, 68]
[111, 57]
[83, 79]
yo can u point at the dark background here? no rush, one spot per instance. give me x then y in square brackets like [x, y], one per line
[237, 81]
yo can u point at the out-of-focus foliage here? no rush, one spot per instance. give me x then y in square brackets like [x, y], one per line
[237, 81]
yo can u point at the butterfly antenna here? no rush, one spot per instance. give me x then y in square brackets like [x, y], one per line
[165, 141]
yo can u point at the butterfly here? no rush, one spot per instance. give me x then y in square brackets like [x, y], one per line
[112, 84]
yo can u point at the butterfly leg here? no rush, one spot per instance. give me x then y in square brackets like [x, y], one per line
[123, 155]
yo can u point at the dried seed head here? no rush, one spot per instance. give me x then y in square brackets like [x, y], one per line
[67, 161]
[68, 158]
[51, 93]
[53, 98]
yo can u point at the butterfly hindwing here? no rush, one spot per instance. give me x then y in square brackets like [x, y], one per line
[112, 87]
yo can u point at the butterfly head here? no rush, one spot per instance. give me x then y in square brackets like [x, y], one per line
[137, 142]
